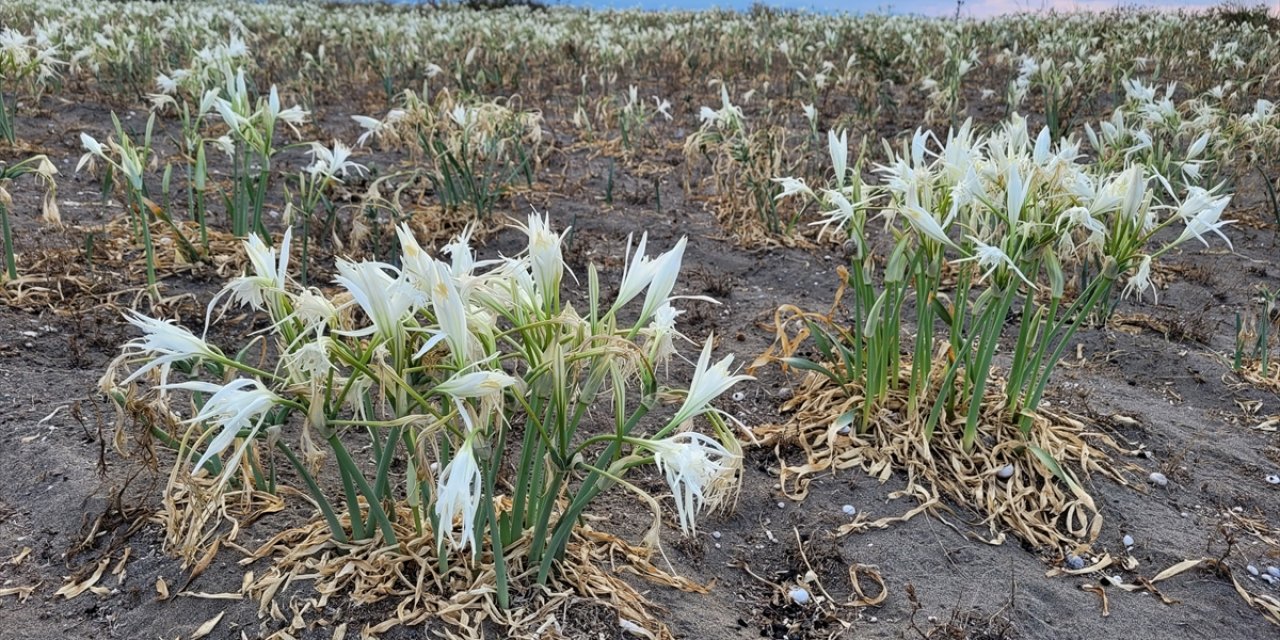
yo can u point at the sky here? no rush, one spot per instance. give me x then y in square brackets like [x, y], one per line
[973, 8]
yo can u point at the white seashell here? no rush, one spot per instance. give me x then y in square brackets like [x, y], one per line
[715, 534]
[1273, 572]
[1128, 541]
[1005, 472]
[633, 628]
[1273, 479]
[1158, 479]
[739, 396]
[799, 595]
[1253, 571]
[848, 510]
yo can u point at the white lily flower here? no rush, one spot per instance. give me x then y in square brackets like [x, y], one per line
[991, 257]
[387, 301]
[1206, 220]
[310, 362]
[698, 469]
[167, 85]
[839, 150]
[663, 107]
[666, 268]
[924, 223]
[841, 215]
[1140, 281]
[709, 381]
[478, 384]
[269, 274]
[93, 149]
[792, 186]
[313, 309]
[1198, 146]
[226, 145]
[169, 342]
[661, 334]
[638, 273]
[451, 314]
[810, 113]
[1016, 192]
[458, 494]
[240, 404]
[333, 162]
[545, 257]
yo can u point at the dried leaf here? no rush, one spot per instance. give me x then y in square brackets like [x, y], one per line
[1177, 569]
[21, 592]
[207, 628]
[21, 555]
[73, 589]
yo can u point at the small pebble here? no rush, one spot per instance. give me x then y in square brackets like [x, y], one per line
[1253, 571]
[873, 619]
[715, 534]
[1128, 541]
[1273, 479]
[739, 396]
[782, 505]
[1158, 479]
[1274, 572]
[717, 545]
[1075, 562]
[848, 510]
[1005, 472]
[799, 595]
[785, 393]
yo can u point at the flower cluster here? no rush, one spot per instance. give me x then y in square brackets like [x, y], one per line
[449, 366]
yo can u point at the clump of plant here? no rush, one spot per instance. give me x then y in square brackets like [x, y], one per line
[988, 240]
[125, 157]
[251, 144]
[1254, 358]
[633, 118]
[24, 60]
[508, 409]
[35, 165]
[475, 150]
[744, 160]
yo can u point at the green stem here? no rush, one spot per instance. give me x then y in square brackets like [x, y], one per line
[10, 261]
[331, 517]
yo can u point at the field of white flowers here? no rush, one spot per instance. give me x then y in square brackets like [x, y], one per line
[370, 321]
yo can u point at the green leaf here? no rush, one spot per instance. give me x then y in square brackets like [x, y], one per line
[1052, 465]
[873, 316]
[941, 310]
[820, 340]
[809, 365]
